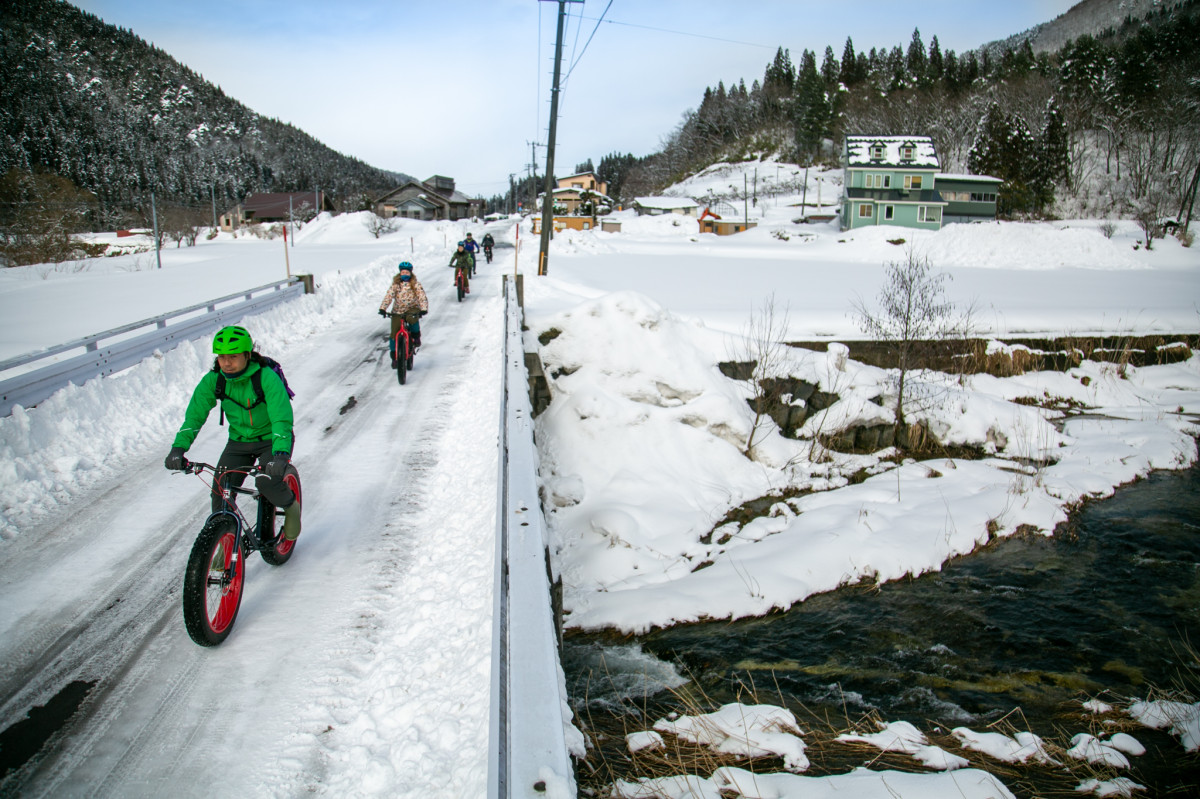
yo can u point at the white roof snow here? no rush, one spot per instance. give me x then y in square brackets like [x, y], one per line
[666, 203]
[859, 151]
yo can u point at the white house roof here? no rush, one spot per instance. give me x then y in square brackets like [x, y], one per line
[972, 178]
[859, 150]
[666, 202]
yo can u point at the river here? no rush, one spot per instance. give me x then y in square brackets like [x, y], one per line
[1104, 608]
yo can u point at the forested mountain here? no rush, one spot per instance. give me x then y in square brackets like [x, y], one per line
[119, 118]
[1109, 122]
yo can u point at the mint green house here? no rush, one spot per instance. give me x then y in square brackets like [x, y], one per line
[895, 180]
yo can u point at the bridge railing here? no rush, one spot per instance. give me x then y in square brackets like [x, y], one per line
[102, 354]
[528, 747]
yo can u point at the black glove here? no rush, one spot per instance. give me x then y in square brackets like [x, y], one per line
[383, 313]
[277, 465]
[175, 461]
[424, 312]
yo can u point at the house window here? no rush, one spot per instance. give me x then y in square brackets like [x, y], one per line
[864, 211]
[912, 182]
[906, 152]
[889, 212]
[929, 213]
[983, 198]
[876, 151]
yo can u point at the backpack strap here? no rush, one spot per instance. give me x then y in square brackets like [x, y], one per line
[255, 383]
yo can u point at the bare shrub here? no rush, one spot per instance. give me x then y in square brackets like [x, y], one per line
[378, 225]
[763, 345]
[914, 316]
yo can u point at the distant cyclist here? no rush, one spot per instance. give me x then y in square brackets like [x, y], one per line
[255, 400]
[463, 260]
[472, 248]
[488, 244]
[406, 295]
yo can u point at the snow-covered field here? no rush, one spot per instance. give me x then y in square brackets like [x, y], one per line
[361, 667]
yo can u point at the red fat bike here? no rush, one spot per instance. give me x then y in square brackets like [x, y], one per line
[403, 346]
[460, 281]
[216, 570]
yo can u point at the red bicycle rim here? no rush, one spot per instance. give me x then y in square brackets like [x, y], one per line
[221, 602]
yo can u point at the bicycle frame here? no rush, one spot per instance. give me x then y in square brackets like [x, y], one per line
[460, 281]
[248, 533]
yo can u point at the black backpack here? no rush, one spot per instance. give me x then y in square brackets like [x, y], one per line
[255, 382]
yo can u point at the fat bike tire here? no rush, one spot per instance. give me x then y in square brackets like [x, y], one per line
[460, 291]
[400, 362]
[278, 550]
[213, 582]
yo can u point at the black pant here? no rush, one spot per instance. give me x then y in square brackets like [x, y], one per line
[239, 455]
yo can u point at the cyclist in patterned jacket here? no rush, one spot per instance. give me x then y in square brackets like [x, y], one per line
[406, 295]
[259, 411]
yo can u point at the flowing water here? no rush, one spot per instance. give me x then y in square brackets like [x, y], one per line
[1106, 607]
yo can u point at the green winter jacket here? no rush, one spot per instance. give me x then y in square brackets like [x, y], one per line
[269, 421]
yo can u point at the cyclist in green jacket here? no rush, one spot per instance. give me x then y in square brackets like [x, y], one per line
[259, 411]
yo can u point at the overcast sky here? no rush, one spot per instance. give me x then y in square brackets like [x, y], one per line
[461, 87]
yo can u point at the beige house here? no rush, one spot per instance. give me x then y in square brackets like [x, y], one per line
[584, 181]
[435, 198]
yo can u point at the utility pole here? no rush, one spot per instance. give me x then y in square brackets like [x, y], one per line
[291, 223]
[512, 191]
[548, 201]
[532, 166]
[154, 217]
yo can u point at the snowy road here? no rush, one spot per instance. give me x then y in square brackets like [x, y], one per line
[359, 667]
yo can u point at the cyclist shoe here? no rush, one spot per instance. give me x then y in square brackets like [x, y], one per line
[291, 521]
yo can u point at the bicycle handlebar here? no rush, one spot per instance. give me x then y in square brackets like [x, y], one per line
[196, 467]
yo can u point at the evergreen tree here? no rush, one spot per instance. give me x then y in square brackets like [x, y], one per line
[848, 71]
[936, 66]
[812, 112]
[916, 62]
[778, 84]
[1005, 148]
[830, 69]
[896, 71]
[1054, 159]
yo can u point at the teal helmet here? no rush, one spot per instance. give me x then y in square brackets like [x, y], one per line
[232, 340]
[405, 265]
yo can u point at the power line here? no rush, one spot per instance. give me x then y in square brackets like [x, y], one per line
[589, 40]
[680, 33]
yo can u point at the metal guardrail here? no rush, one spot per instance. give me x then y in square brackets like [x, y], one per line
[528, 747]
[98, 360]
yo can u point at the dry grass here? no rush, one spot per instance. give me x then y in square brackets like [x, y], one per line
[610, 760]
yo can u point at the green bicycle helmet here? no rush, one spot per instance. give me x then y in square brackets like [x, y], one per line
[232, 340]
